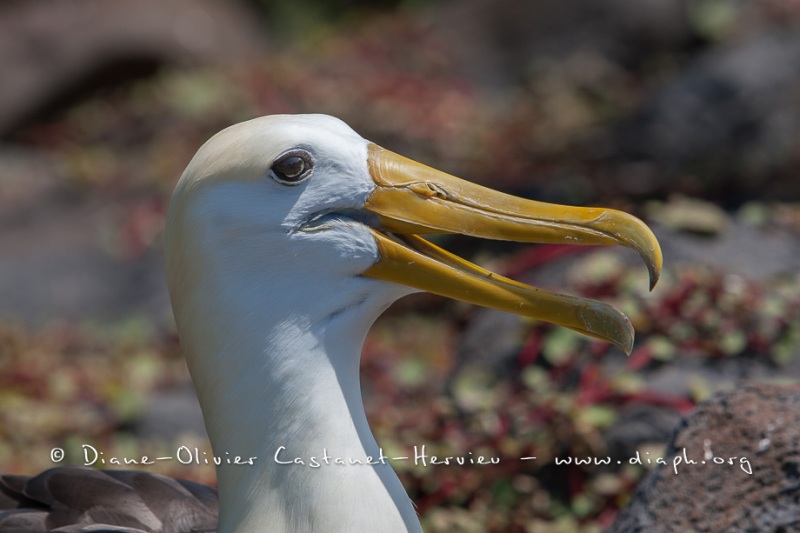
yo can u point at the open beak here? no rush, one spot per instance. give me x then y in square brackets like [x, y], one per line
[411, 199]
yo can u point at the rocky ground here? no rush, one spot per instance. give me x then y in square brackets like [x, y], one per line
[737, 456]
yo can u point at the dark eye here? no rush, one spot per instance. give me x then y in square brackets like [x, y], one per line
[292, 167]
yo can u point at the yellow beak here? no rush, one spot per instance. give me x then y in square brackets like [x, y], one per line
[411, 199]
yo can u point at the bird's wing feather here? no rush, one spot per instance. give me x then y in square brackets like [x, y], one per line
[76, 499]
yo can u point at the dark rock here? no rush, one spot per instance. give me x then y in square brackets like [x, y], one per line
[58, 243]
[754, 431]
[48, 59]
[638, 425]
[501, 42]
[739, 249]
[732, 112]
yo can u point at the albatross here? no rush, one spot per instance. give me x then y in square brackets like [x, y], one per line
[286, 237]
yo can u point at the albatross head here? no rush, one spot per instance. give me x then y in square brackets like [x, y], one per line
[294, 197]
[286, 237]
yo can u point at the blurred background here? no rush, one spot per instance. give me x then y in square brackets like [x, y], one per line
[684, 112]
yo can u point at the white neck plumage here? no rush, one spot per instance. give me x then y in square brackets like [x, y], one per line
[276, 376]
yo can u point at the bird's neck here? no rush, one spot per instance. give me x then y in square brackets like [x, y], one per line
[283, 393]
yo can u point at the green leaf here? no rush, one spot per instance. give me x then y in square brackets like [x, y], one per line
[560, 345]
[662, 348]
[598, 416]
